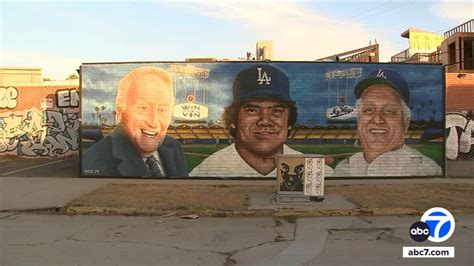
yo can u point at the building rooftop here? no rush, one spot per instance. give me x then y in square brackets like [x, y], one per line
[406, 34]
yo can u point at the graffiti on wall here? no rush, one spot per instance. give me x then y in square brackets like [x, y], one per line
[368, 119]
[39, 133]
[67, 98]
[51, 132]
[460, 141]
[8, 97]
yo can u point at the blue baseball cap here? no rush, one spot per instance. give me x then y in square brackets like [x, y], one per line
[387, 77]
[262, 81]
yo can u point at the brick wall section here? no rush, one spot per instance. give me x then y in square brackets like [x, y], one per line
[459, 92]
[31, 96]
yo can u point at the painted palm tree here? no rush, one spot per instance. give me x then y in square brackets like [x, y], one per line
[422, 106]
[97, 110]
[433, 115]
[103, 120]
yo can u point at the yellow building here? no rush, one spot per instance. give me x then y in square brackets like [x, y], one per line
[20, 76]
[421, 41]
[421, 45]
[264, 51]
[29, 76]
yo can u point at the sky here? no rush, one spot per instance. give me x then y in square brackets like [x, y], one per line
[60, 35]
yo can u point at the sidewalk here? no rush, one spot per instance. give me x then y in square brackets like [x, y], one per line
[222, 198]
[38, 239]
[30, 193]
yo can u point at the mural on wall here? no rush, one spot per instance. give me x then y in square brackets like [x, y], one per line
[382, 103]
[460, 140]
[231, 119]
[37, 127]
[139, 146]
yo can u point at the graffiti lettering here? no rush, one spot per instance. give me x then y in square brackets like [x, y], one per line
[9, 145]
[8, 126]
[8, 97]
[48, 133]
[460, 135]
[67, 98]
[46, 103]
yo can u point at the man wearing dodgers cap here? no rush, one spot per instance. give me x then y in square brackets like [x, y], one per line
[383, 118]
[259, 119]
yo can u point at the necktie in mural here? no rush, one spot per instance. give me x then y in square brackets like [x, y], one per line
[154, 167]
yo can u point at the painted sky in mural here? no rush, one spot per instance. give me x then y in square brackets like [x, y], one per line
[314, 86]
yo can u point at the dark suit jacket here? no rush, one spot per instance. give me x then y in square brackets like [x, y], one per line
[115, 155]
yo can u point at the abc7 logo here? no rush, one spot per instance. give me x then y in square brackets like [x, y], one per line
[419, 231]
[436, 225]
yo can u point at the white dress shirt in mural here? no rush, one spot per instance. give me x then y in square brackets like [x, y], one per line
[402, 162]
[228, 163]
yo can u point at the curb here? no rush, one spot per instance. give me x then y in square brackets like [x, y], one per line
[74, 210]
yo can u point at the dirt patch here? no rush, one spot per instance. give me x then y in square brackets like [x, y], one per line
[234, 200]
[456, 197]
[162, 199]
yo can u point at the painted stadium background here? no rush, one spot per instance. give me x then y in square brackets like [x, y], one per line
[324, 96]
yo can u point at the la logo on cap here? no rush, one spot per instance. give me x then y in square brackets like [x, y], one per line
[263, 77]
[380, 74]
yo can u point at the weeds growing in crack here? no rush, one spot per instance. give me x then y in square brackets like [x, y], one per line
[277, 221]
[230, 261]
[279, 238]
[291, 219]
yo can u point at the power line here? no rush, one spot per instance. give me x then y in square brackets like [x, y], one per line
[363, 12]
[386, 10]
[370, 9]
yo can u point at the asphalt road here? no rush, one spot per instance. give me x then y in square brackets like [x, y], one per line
[38, 167]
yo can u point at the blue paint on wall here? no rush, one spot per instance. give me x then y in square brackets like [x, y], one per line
[310, 88]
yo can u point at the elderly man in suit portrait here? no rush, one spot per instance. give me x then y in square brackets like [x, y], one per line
[139, 147]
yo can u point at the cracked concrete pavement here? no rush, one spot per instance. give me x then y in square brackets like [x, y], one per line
[41, 239]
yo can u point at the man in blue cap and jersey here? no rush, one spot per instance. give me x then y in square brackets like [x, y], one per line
[383, 119]
[259, 119]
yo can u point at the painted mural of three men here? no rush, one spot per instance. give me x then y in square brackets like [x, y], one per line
[260, 119]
